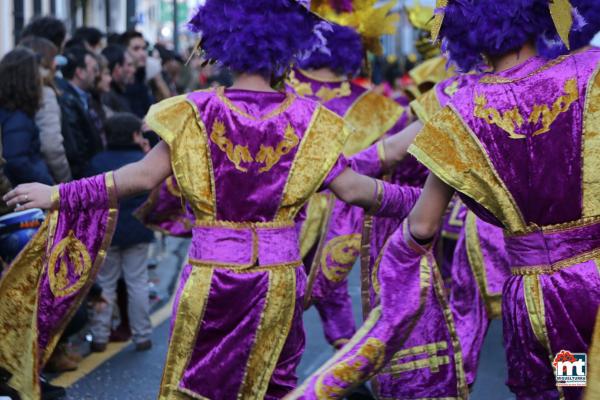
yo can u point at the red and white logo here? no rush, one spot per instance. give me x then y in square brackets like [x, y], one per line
[570, 369]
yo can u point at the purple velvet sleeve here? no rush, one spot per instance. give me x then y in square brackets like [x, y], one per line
[395, 200]
[340, 165]
[367, 162]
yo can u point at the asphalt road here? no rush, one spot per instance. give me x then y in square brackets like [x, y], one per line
[136, 376]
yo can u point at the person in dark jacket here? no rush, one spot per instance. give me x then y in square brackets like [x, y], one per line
[20, 98]
[130, 245]
[138, 92]
[122, 69]
[81, 137]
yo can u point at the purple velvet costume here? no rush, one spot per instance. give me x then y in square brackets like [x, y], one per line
[532, 167]
[335, 244]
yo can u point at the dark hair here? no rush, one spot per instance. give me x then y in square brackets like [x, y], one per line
[113, 38]
[75, 59]
[89, 34]
[120, 128]
[43, 47]
[115, 55]
[127, 36]
[47, 27]
[20, 86]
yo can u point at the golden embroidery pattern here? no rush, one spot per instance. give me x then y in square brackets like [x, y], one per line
[75, 250]
[339, 256]
[512, 119]
[369, 357]
[451, 89]
[301, 88]
[326, 94]
[239, 154]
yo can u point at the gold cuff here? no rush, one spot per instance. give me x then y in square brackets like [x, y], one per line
[378, 198]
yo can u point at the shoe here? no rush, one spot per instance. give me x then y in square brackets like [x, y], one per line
[51, 392]
[143, 346]
[121, 334]
[60, 361]
[97, 347]
[73, 354]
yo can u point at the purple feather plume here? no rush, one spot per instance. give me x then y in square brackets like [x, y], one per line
[345, 52]
[257, 36]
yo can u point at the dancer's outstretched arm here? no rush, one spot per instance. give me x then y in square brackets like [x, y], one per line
[375, 196]
[131, 179]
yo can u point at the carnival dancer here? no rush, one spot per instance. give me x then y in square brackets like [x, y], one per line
[331, 233]
[246, 160]
[496, 144]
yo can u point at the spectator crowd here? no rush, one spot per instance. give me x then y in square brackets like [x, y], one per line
[72, 106]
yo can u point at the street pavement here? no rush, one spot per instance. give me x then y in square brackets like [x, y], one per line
[130, 375]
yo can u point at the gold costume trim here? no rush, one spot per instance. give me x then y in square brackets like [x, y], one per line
[591, 147]
[378, 200]
[315, 267]
[557, 266]
[440, 291]
[365, 264]
[189, 315]
[313, 224]
[271, 335]
[433, 363]
[534, 301]
[430, 348]
[512, 119]
[366, 327]
[343, 251]
[426, 106]
[592, 391]
[111, 225]
[557, 228]
[310, 75]
[372, 115]
[289, 99]
[241, 268]
[381, 153]
[500, 79]
[317, 154]
[467, 168]
[493, 301]
[301, 88]
[178, 123]
[172, 186]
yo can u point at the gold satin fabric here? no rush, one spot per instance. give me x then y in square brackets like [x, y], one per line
[592, 392]
[426, 106]
[591, 148]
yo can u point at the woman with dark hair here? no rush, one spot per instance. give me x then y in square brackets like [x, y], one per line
[20, 99]
[48, 117]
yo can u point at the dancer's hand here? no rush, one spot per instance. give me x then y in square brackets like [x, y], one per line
[29, 195]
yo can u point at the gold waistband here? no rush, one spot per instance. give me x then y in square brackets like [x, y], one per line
[242, 268]
[245, 225]
[557, 266]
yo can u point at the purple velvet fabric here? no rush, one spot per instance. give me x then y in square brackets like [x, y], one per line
[164, 211]
[525, 168]
[467, 298]
[84, 213]
[262, 191]
[567, 297]
[391, 326]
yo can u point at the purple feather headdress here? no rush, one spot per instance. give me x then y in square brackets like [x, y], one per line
[258, 36]
[345, 52]
[472, 28]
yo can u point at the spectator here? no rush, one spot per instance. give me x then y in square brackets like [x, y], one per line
[172, 65]
[129, 249]
[92, 38]
[138, 93]
[20, 98]
[47, 27]
[82, 139]
[98, 112]
[48, 118]
[122, 70]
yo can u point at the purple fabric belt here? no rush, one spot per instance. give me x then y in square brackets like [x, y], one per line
[245, 245]
[549, 250]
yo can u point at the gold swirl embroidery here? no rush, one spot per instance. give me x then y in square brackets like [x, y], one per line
[370, 356]
[339, 256]
[451, 89]
[267, 155]
[512, 119]
[79, 256]
[301, 88]
[326, 94]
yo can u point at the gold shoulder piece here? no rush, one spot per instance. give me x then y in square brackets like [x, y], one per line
[371, 116]
[449, 148]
